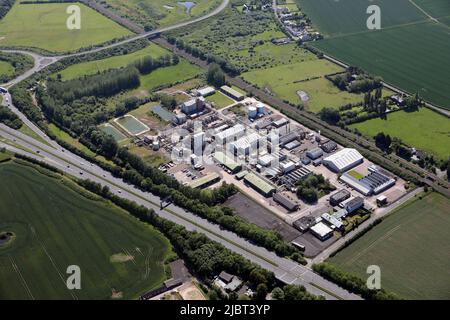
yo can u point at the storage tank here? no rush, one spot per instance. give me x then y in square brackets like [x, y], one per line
[260, 108]
[252, 112]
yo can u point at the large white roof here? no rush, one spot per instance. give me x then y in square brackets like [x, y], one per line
[344, 158]
[321, 229]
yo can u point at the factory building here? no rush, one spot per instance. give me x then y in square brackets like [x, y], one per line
[227, 162]
[295, 176]
[246, 145]
[259, 184]
[354, 204]
[287, 167]
[193, 106]
[207, 91]
[198, 142]
[339, 196]
[343, 160]
[321, 231]
[314, 153]
[329, 146]
[234, 94]
[230, 134]
[374, 183]
[287, 203]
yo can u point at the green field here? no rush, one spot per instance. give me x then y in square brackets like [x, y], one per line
[411, 51]
[6, 68]
[56, 226]
[160, 12]
[424, 129]
[92, 67]
[413, 57]
[220, 100]
[44, 26]
[308, 76]
[343, 17]
[183, 71]
[412, 248]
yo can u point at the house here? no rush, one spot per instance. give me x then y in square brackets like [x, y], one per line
[227, 281]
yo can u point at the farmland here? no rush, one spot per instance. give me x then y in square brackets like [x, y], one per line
[343, 17]
[424, 129]
[411, 247]
[410, 52]
[154, 13]
[92, 67]
[43, 26]
[56, 225]
[308, 76]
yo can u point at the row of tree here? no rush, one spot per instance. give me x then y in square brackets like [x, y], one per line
[352, 283]
[9, 118]
[205, 257]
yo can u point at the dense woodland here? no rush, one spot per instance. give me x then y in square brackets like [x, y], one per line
[9, 118]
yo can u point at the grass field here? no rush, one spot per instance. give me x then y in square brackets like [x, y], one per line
[44, 26]
[425, 130]
[6, 68]
[56, 226]
[285, 80]
[220, 100]
[170, 75]
[92, 67]
[160, 12]
[412, 248]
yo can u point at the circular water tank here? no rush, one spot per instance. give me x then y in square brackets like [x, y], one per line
[260, 108]
[252, 112]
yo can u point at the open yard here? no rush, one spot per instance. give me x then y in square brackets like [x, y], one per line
[424, 129]
[44, 26]
[412, 248]
[55, 226]
[92, 67]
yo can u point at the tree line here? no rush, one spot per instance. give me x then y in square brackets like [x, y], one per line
[205, 257]
[9, 118]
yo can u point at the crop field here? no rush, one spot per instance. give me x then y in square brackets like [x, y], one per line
[161, 12]
[92, 67]
[424, 129]
[411, 247]
[349, 16]
[411, 51]
[44, 26]
[56, 226]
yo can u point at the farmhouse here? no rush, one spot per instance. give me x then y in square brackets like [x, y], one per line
[343, 160]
